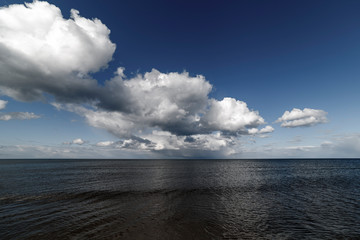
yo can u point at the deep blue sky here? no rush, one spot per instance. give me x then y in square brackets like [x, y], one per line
[303, 52]
[274, 55]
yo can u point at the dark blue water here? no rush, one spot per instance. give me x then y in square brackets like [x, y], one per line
[180, 199]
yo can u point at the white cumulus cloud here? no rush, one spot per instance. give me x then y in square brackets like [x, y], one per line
[78, 141]
[172, 102]
[44, 54]
[264, 130]
[302, 118]
[40, 51]
[3, 104]
[231, 115]
[267, 129]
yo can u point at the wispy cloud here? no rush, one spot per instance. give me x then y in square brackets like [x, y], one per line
[15, 115]
[105, 143]
[343, 145]
[18, 115]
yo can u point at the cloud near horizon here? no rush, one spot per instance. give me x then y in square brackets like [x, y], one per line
[42, 53]
[302, 118]
[77, 141]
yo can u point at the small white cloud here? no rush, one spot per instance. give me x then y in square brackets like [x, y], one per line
[302, 118]
[264, 130]
[78, 141]
[105, 144]
[267, 129]
[18, 115]
[3, 104]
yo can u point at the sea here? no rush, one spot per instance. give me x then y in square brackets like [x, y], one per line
[180, 199]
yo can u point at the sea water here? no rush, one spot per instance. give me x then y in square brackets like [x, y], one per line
[180, 199]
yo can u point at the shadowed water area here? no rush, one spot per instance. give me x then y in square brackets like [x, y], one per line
[179, 199]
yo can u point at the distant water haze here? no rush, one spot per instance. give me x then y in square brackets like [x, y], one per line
[180, 199]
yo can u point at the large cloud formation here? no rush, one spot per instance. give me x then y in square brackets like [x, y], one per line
[302, 118]
[42, 53]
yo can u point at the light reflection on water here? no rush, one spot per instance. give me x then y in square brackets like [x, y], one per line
[179, 199]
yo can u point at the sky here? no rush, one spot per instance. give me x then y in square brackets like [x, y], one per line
[179, 79]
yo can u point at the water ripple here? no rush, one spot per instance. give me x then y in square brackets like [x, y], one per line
[185, 200]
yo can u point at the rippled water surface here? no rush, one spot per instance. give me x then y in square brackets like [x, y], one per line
[180, 199]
